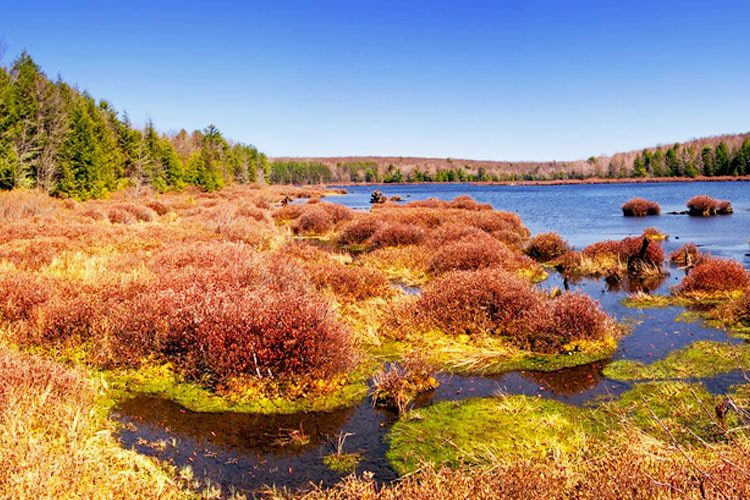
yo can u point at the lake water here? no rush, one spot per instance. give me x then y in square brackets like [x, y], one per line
[245, 452]
[586, 213]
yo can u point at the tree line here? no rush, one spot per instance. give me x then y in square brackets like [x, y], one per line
[61, 140]
[690, 161]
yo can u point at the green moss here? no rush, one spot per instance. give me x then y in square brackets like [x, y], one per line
[342, 462]
[495, 355]
[671, 411]
[699, 359]
[486, 430]
[512, 428]
[648, 301]
[163, 382]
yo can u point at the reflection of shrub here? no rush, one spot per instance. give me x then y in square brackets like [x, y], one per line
[546, 246]
[639, 207]
[714, 275]
[703, 205]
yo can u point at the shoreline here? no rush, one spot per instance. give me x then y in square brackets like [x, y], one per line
[558, 182]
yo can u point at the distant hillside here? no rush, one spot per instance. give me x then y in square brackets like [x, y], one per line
[718, 155]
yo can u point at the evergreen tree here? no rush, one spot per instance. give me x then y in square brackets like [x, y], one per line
[721, 159]
[708, 161]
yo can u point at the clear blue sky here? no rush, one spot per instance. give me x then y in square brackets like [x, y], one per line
[466, 79]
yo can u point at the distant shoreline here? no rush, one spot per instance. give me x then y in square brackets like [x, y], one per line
[559, 182]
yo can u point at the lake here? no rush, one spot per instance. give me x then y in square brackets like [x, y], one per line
[586, 213]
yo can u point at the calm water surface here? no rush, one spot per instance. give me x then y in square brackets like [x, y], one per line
[245, 452]
[587, 213]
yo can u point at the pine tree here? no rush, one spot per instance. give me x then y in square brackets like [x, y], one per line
[722, 159]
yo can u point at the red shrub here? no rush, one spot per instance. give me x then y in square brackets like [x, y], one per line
[395, 234]
[315, 219]
[351, 282]
[631, 248]
[639, 207]
[477, 252]
[489, 301]
[20, 293]
[704, 205]
[686, 255]
[714, 275]
[463, 202]
[157, 206]
[357, 231]
[140, 212]
[546, 246]
[120, 216]
[453, 231]
[569, 317]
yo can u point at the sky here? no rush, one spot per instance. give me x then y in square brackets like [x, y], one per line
[521, 80]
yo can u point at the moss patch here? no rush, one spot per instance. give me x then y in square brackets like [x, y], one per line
[163, 382]
[513, 428]
[485, 430]
[699, 359]
[495, 355]
[342, 462]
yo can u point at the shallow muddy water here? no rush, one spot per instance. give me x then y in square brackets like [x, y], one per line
[244, 452]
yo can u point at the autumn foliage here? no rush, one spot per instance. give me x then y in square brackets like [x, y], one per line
[546, 246]
[704, 205]
[639, 207]
[715, 275]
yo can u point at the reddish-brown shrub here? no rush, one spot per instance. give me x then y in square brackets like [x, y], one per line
[315, 219]
[350, 282]
[569, 317]
[357, 231]
[639, 207]
[630, 248]
[714, 275]
[95, 213]
[140, 212]
[463, 202]
[158, 206]
[395, 234]
[546, 246]
[477, 252]
[704, 205]
[488, 301]
[686, 255]
[20, 293]
[602, 249]
[120, 216]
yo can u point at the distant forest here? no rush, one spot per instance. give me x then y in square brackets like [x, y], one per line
[727, 155]
[59, 139]
[63, 141]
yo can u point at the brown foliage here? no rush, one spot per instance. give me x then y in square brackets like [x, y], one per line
[488, 301]
[704, 205]
[639, 207]
[714, 275]
[394, 234]
[546, 246]
[477, 252]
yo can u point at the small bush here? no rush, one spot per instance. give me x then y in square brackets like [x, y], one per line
[350, 282]
[704, 206]
[396, 234]
[120, 216]
[357, 231]
[640, 207]
[397, 385]
[477, 252]
[630, 248]
[489, 301]
[157, 206]
[569, 317]
[714, 275]
[687, 254]
[546, 246]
